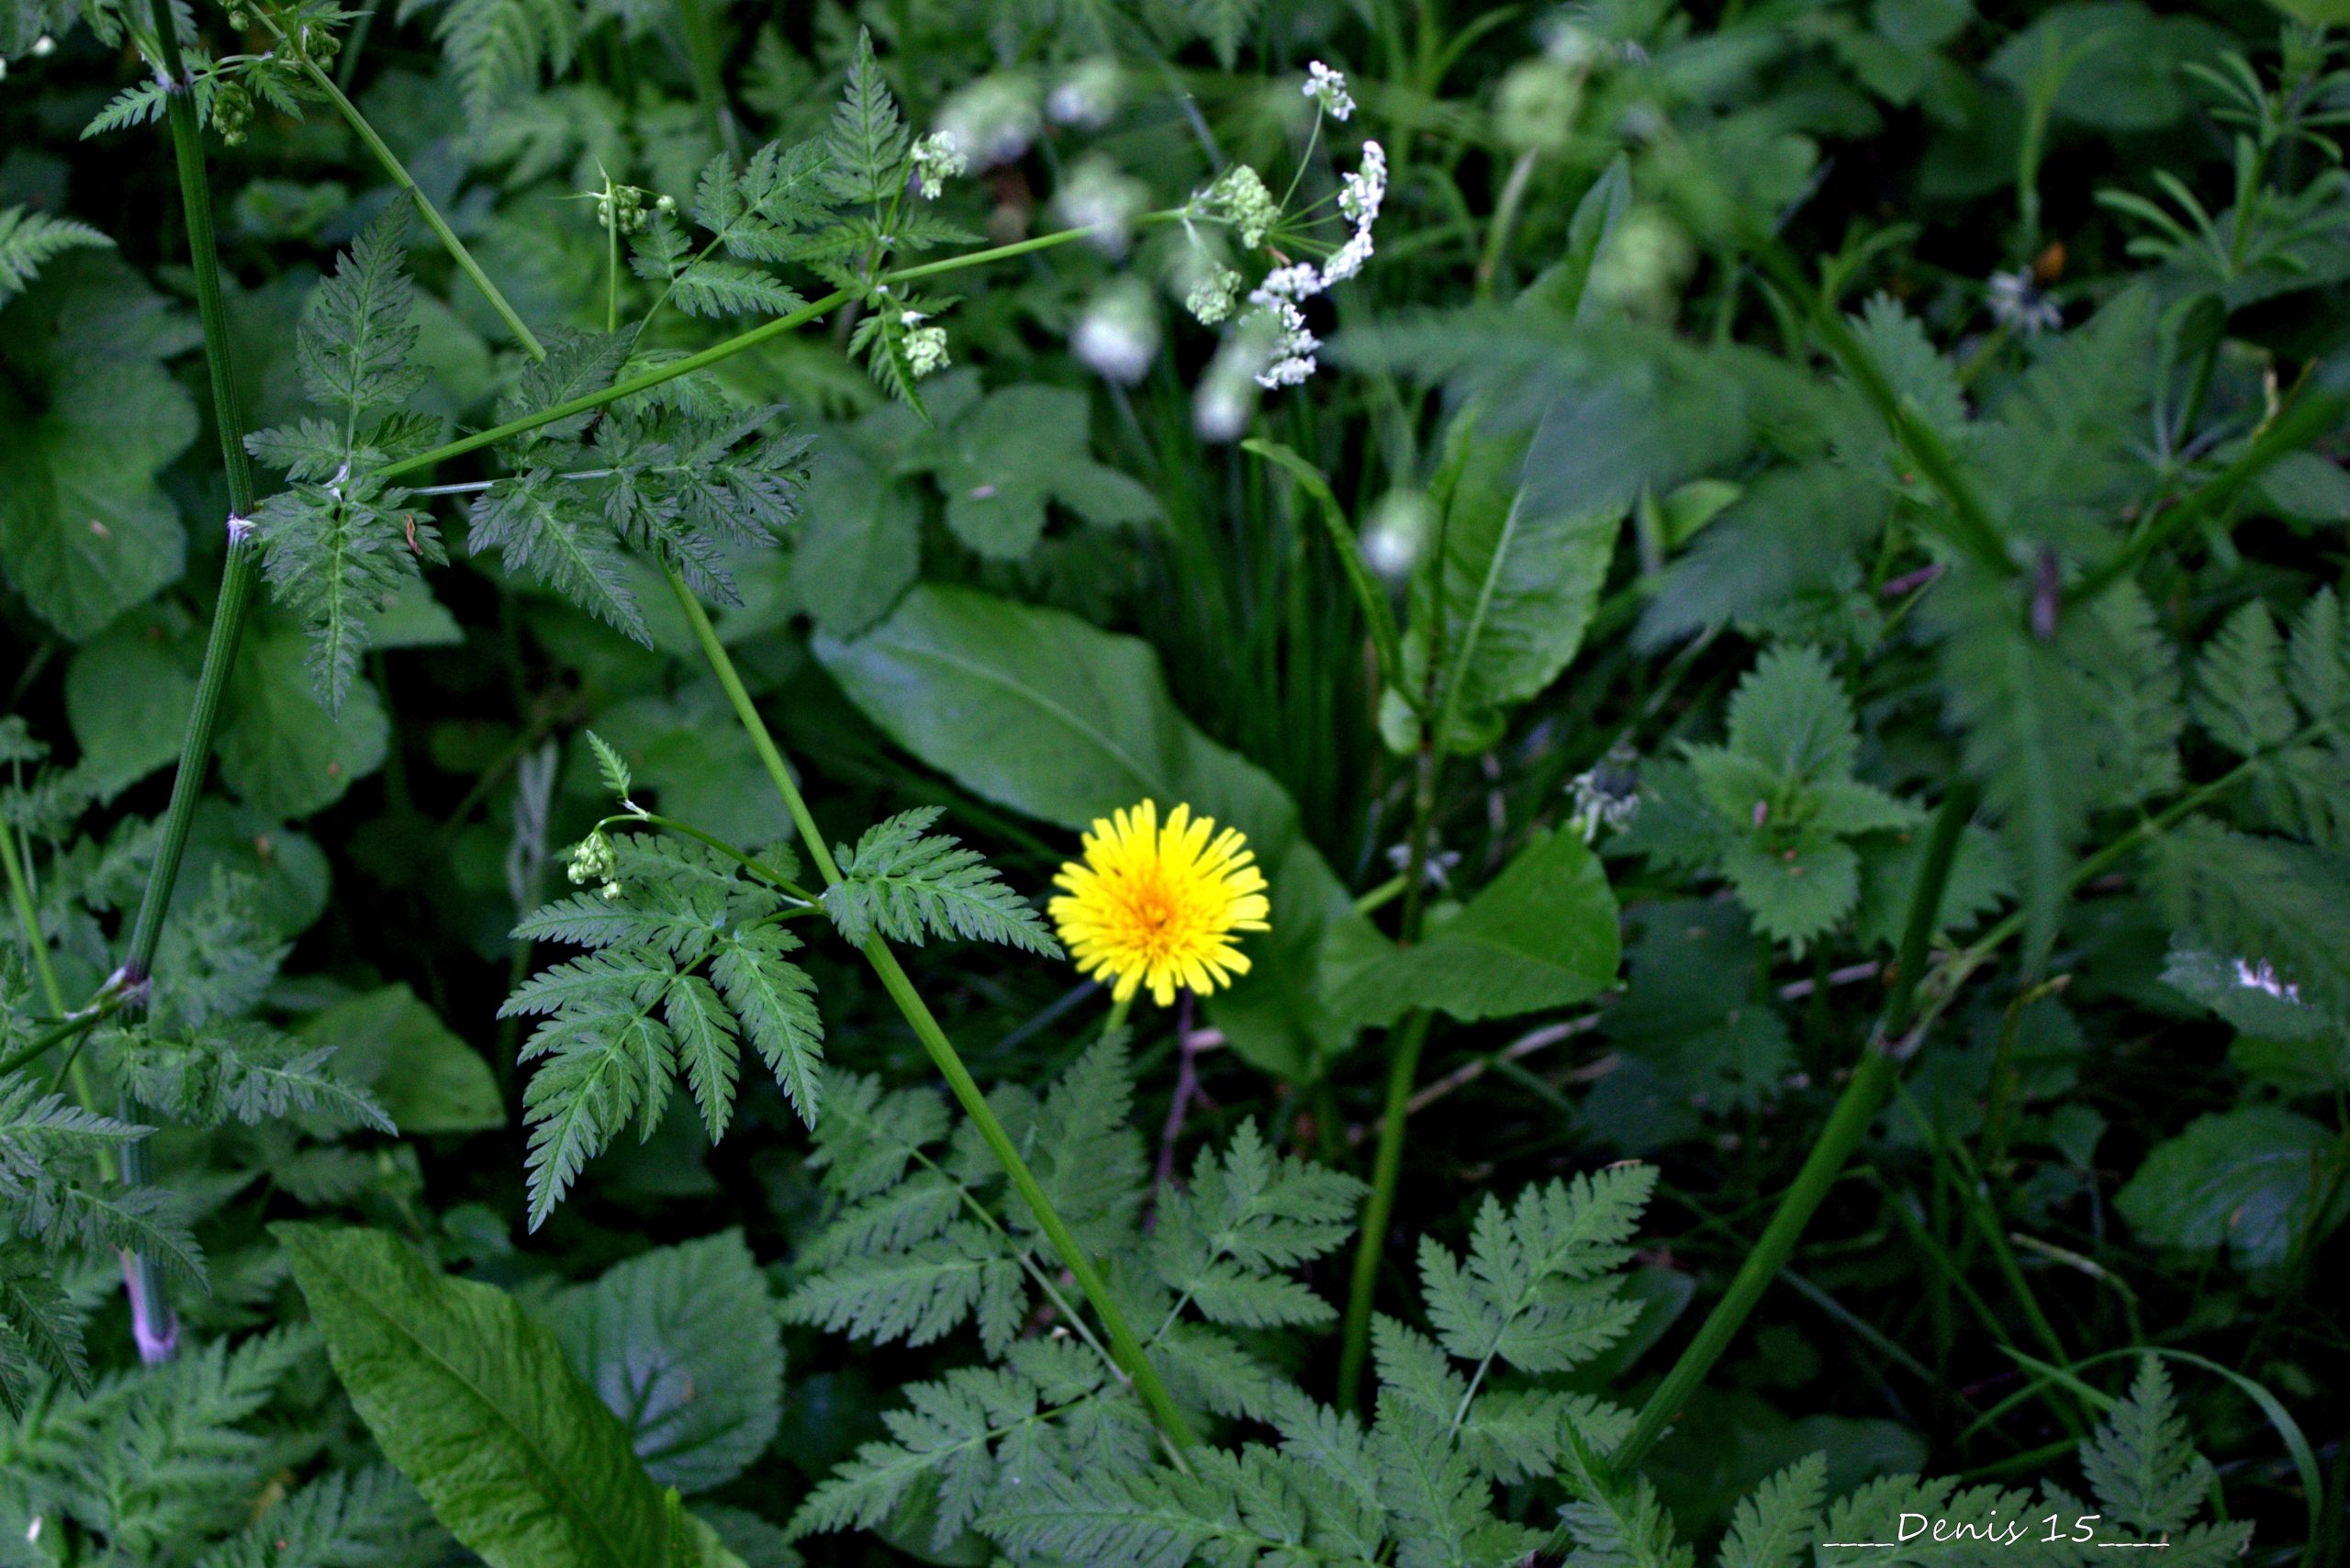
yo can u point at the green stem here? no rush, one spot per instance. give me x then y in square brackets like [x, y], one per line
[1971, 526]
[432, 218]
[79, 1023]
[20, 893]
[1848, 1123]
[2310, 416]
[154, 1326]
[943, 1054]
[1403, 1068]
[714, 354]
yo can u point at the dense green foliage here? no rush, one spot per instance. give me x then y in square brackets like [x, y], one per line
[1764, 580]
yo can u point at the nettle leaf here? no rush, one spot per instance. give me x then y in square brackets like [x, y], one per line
[907, 886]
[477, 1406]
[1691, 1009]
[1008, 456]
[424, 1075]
[681, 1344]
[279, 750]
[93, 418]
[1542, 934]
[2248, 1179]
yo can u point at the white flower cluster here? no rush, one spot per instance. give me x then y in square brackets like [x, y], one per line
[1364, 192]
[1328, 88]
[937, 158]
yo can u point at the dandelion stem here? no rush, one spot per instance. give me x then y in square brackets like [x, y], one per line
[943, 1055]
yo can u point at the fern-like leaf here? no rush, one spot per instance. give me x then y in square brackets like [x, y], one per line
[867, 139]
[907, 886]
[29, 240]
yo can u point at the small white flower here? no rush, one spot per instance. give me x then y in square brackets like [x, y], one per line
[1396, 534]
[1086, 97]
[1348, 258]
[2020, 303]
[1364, 191]
[43, 47]
[992, 121]
[1118, 335]
[2262, 976]
[1298, 281]
[1328, 88]
[937, 158]
[1097, 196]
[1291, 358]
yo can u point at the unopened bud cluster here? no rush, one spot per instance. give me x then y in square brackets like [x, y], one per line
[626, 209]
[232, 110]
[594, 859]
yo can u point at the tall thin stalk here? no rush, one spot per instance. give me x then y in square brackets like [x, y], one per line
[1848, 1123]
[154, 1325]
[943, 1054]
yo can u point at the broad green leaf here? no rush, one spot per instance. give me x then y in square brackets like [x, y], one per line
[427, 1079]
[475, 1403]
[1541, 935]
[2248, 1179]
[93, 416]
[1016, 450]
[128, 693]
[282, 753]
[682, 1345]
[1037, 710]
[859, 544]
[1521, 570]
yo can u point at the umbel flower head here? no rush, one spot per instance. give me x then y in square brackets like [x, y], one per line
[1159, 905]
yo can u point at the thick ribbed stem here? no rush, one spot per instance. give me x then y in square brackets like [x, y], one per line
[154, 1326]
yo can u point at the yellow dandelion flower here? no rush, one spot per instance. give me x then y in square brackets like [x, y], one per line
[1157, 906]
